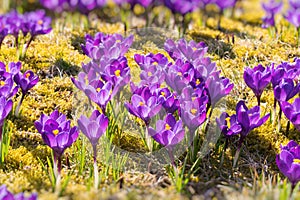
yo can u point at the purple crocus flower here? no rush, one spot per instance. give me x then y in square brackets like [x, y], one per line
[7, 195]
[184, 50]
[286, 89]
[144, 108]
[7, 88]
[228, 125]
[223, 4]
[56, 132]
[271, 8]
[94, 127]
[96, 90]
[291, 111]
[288, 162]
[25, 81]
[257, 79]
[295, 4]
[57, 6]
[249, 119]
[293, 16]
[217, 87]
[193, 112]
[118, 73]
[168, 133]
[179, 75]
[168, 100]
[182, 7]
[3, 30]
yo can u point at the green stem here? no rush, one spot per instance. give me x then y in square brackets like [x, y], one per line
[96, 172]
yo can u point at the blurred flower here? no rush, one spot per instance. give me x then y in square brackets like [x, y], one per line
[94, 127]
[181, 6]
[57, 5]
[288, 162]
[7, 195]
[257, 79]
[223, 4]
[56, 132]
[291, 112]
[293, 16]
[36, 23]
[295, 4]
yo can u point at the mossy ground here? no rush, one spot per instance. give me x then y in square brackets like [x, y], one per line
[57, 56]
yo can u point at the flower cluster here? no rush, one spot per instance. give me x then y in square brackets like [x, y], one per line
[107, 72]
[5, 194]
[188, 87]
[31, 23]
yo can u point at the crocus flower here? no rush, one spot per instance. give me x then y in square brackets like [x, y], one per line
[168, 100]
[182, 7]
[257, 79]
[248, 119]
[5, 108]
[25, 81]
[223, 4]
[217, 87]
[179, 75]
[168, 133]
[193, 113]
[184, 50]
[293, 16]
[295, 4]
[56, 131]
[288, 162]
[3, 30]
[291, 111]
[144, 108]
[7, 88]
[57, 6]
[271, 8]
[93, 128]
[286, 89]
[5, 194]
[228, 125]
[58, 134]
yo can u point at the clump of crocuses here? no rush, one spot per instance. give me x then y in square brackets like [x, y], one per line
[93, 128]
[241, 123]
[288, 162]
[31, 23]
[5, 194]
[58, 134]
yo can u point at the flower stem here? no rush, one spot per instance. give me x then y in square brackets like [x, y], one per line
[258, 100]
[298, 41]
[96, 172]
[274, 110]
[17, 111]
[223, 152]
[26, 47]
[237, 153]
[287, 128]
[219, 20]
[57, 172]
[279, 119]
